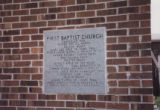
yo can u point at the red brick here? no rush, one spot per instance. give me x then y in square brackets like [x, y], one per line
[38, 24]
[12, 7]
[116, 4]
[130, 24]
[107, 98]
[66, 15]
[147, 83]
[17, 103]
[116, 61]
[141, 2]
[20, 51]
[141, 90]
[11, 70]
[140, 60]
[29, 70]
[118, 91]
[5, 13]
[35, 90]
[142, 106]
[146, 67]
[145, 9]
[145, 53]
[139, 16]
[20, 1]
[3, 103]
[86, 97]
[24, 108]
[39, 11]
[28, 96]
[85, 1]
[145, 23]
[66, 109]
[47, 4]
[117, 47]
[37, 77]
[111, 54]
[66, 2]
[20, 25]
[22, 63]
[28, 18]
[51, 109]
[128, 54]
[128, 10]
[29, 44]
[5, 1]
[75, 21]
[29, 5]
[130, 83]
[3, 77]
[140, 75]
[10, 83]
[5, 51]
[129, 68]
[21, 76]
[148, 98]
[9, 96]
[95, 6]
[37, 50]
[111, 69]
[76, 8]
[5, 39]
[140, 31]
[57, 10]
[46, 97]
[117, 18]
[86, 14]
[96, 104]
[36, 103]
[19, 89]
[140, 46]
[56, 23]
[117, 32]
[119, 106]
[96, 20]
[55, 103]
[11, 32]
[7, 108]
[37, 63]
[12, 57]
[112, 83]
[29, 83]
[5, 64]
[4, 89]
[106, 12]
[5, 26]
[117, 76]
[47, 17]
[111, 40]
[75, 104]
[29, 31]
[66, 97]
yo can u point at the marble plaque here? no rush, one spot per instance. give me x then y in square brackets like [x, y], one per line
[74, 61]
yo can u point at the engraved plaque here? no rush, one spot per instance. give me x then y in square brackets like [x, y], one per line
[74, 61]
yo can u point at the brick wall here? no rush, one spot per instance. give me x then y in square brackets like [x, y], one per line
[127, 22]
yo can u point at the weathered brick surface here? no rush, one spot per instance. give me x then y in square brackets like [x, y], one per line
[128, 56]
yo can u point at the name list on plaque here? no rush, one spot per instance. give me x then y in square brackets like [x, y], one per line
[74, 61]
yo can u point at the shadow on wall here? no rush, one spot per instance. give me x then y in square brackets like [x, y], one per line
[155, 69]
